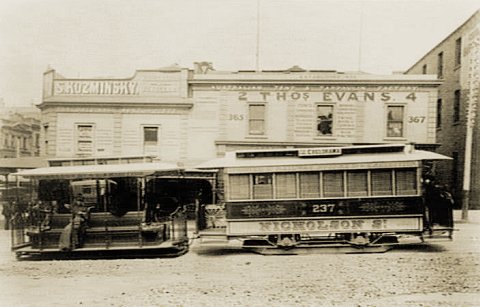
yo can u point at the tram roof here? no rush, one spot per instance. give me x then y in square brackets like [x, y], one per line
[234, 160]
[100, 171]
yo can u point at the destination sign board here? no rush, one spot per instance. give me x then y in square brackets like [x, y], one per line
[319, 226]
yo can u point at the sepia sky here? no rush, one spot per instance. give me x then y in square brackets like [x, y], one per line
[113, 38]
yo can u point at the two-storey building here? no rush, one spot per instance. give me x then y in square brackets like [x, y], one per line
[192, 115]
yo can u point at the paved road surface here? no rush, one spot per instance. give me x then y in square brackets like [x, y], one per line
[442, 274]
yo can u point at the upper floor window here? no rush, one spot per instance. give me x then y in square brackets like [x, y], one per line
[325, 120]
[256, 119]
[84, 138]
[395, 116]
[37, 140]
[439, 113]
[150, 135]
[458, 51]
[424, 69]
[440, 65]
[456, 106]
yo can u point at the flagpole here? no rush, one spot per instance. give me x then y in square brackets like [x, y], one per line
[257, 53]
[360, 38]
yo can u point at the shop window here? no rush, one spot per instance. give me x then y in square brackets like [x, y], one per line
[256, 119]
[239, 186]
[455, 168]
[262, 186]
[406, 182]
[333, 185]
[325, 120]
[309, 185]
[395, 121]
[285, 185]
[84, 139]
[381, 182]
[357, 184]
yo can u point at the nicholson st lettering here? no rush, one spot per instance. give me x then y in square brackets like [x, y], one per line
[96, 88]
[316, 225]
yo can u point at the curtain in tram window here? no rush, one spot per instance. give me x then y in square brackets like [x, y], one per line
[309, 185]
[382, 182]
[357, 183]
[406, 182]
[285, 186]
[239, 187]
[333, 184]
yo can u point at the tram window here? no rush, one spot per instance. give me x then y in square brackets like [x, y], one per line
[239, 187]
[406, 182]
[262, 186]
[309, 185]
[285, 185]
[382, 182]
[333, 184]
[357, 183]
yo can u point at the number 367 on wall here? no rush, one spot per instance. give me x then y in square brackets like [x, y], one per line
[416, 119]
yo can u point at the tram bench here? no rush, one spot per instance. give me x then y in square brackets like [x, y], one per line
[102, 227]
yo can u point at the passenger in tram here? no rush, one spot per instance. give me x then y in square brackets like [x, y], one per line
[40, 213]
[73, 234]
[157, 209]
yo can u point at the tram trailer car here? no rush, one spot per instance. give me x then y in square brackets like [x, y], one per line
[352, 199]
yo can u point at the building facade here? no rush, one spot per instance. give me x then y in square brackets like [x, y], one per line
[19, 134]
[193, 115]
[456, 61]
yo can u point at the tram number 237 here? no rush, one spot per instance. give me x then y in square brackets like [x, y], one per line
[323, 208]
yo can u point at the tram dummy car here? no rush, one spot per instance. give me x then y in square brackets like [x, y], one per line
[290, 200]
[106, 210]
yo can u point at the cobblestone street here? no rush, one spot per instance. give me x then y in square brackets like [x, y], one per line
[446, 273]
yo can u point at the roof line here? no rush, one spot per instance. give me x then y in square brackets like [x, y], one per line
[474, 15]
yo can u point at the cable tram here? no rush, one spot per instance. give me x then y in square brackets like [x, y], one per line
[353, 199]
[117, 208]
